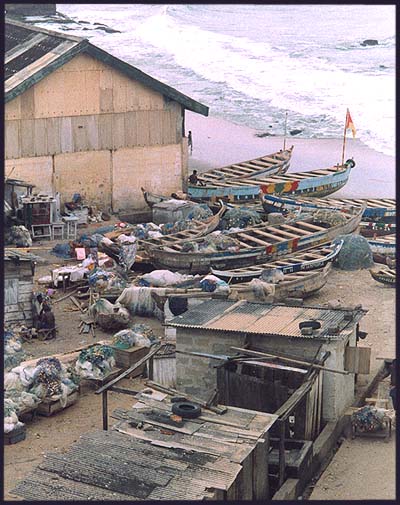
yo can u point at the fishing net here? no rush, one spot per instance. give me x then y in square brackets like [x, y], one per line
[13, 351]
[239, 218]
[213, 242]
[331, 217]
[62, 251]
[139, 335]
[109, 316]
[264, 291]
[273, 275]
[139, 301]
[368, 419]
[355, 253]
[96, 362]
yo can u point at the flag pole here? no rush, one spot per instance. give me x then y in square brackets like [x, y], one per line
[344, 137]
[284, 137]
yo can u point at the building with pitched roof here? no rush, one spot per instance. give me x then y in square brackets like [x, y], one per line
[79, 120]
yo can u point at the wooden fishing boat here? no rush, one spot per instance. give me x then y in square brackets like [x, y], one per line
[377, 209]
[152, 199]
[383, 248]
[384, 275]
[294, 285]
[276, 163]
[313, 259]
[371, 229]
[313, 183]
[254, 245]
[202, 228]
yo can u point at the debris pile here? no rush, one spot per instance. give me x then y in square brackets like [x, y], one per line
[239, 218]
[213, 242]
[19, 236]
[96, 362]
[368, 419]
[138, 335]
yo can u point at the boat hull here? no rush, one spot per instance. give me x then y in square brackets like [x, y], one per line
[387, 277]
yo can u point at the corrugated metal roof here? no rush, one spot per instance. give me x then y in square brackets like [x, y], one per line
[32, 53]
[11, 255]
[268, 319]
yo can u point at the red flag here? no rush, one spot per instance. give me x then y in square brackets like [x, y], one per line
[350, 124]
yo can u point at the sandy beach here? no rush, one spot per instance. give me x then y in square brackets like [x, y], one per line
[217, 143]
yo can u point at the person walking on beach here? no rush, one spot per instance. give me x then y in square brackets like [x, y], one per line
[190, 142]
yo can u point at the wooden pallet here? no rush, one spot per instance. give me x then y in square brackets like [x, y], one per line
[49, 408]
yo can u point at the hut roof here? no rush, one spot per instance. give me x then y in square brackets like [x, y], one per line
[32, 53]
[268, 319]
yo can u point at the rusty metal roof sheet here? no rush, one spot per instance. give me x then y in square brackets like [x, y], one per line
[32, 53]
[268, 319]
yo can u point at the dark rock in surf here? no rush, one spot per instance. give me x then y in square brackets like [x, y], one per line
[295, 132]
[369, 42]
[262, 135]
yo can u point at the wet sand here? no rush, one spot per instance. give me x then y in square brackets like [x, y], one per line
[217, 143]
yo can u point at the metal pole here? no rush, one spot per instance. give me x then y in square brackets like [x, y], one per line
[284, 137]
[105, 410]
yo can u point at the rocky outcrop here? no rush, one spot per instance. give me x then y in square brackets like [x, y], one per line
[369, 42]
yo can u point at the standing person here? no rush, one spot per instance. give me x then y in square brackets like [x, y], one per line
[190, 142]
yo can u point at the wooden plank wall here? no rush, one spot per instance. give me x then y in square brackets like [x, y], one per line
[18, 289]
[86, 105]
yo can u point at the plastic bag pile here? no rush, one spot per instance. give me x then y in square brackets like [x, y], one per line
[355, 253]
[26, 386]
[162, 278]
[108, 315]
[138, 301]
[239, 218]
[214, 242]
[19, 236]
[138, 335]
[96, 362]
[211, 283]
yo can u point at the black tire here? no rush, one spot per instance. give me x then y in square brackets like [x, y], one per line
[315, 325]
[186, 410]
[350, 162]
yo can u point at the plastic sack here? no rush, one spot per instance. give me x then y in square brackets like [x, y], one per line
[272, 275]
[262, 290]
[161, 278]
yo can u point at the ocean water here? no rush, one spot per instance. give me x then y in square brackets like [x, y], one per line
[252, 63]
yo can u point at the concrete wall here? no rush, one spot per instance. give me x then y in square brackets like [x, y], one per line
[88, 128]
[197, 376]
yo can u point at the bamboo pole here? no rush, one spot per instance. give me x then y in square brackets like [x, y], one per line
[344, 137]
[284, 136]
[265, 355]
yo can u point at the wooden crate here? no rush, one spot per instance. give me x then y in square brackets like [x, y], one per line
[15, 436]
[49, 408]
[125, 358]
[98, 383]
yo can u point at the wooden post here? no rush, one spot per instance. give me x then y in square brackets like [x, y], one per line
[282, 452]
[150, 371]
[105, 410]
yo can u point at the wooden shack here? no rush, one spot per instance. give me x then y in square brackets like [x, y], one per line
[18, 287]
[79, 120]
[216, 456]
[215, 326]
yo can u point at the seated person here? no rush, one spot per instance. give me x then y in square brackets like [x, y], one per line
[194, 180]
[47, 319]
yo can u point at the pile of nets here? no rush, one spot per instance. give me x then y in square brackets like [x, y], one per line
[19, 236]
[213, 242]
[96, 362]
[239, 218]
[200, 212]
[169, 228]
[368, 419]
[107, 315]
[161, 278]
[146, 231]
[62, 251]
[355, 253]
[272, 275]
[138, 335]
[331, 217]
[26, 386]
[211, 283]
[264, 291]
[138, 300]
[13, 352]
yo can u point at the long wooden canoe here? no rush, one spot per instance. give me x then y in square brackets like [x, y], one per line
[294, 285]
[202, 228]
[384, 275]
[371, 229]
[313, 259]
[383, 248]
[381, 209]
[313, 183]
[276, 163]
[257, 244]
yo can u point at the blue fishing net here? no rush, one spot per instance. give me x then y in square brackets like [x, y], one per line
[62, 251]
[355, 253]
[239, 218]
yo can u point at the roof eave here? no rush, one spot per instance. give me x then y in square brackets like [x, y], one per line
[146, 79]
[44, 72]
